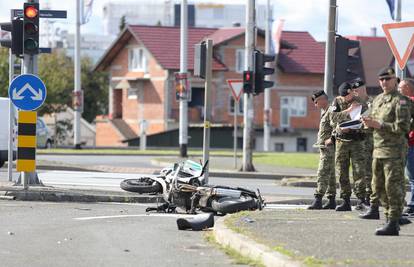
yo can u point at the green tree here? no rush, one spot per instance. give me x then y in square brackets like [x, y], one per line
[95, 86]
[4, 71]
[122, 23]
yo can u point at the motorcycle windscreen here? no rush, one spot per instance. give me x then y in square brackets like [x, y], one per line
[192, 167]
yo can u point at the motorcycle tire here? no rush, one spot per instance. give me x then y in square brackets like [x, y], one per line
[144, 185]
[226, 205]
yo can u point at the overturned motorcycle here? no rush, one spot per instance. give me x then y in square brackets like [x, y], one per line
[183, 186]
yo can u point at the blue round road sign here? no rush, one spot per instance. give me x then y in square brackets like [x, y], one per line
[27, 92]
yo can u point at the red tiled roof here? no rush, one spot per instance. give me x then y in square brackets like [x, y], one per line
[164, 44]
[307, 57]
[224, 34]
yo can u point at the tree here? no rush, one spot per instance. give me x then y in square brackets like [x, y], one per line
[122, 23]
[4, 71]
[95, 85]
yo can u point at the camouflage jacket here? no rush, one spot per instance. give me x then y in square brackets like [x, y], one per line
[392, 110]
[325, 128]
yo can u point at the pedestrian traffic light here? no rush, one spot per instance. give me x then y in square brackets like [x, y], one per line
[248, 82]
[15, 27]
[31, 28]
[260, 71]
[348, 61]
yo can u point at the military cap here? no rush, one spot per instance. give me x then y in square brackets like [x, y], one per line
[317, 94]
[386, 72]
[358, 82]
[344, 89]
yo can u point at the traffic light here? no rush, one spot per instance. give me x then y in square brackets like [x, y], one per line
[31, 28]
[260, 71]
[348, 61]
[248, 82]
[15, 27]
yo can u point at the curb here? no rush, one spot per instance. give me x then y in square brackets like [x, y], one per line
[250, 248]
[67, 195]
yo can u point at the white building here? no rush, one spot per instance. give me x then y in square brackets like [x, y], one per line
[202, 13]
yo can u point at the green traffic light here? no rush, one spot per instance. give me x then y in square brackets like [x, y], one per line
[31, 45]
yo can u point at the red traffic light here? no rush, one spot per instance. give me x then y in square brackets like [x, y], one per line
[247, 76]
[31, 12]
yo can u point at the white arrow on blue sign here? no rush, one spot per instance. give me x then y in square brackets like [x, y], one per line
[27, 92]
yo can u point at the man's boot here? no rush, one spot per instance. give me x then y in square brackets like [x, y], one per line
[368, 201]
[331, 204]
[316, 204]
[345, 206]
[371, 214]
[391, 228]
[360, 204]
[404, 220]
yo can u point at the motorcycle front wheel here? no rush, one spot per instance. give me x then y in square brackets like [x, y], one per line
[226, 205]
[143, 185]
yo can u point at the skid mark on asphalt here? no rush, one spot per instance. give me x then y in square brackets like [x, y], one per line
[133, 215]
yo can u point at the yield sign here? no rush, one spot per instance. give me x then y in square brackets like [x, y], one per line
[400, 37]
[236, 88]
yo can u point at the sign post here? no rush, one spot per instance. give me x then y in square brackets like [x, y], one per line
[400, 37]
[236, 87]
[27, 92]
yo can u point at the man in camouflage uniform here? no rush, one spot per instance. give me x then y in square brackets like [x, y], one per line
[390, 119]
[349, 144]
[358, 86]
[326, 182]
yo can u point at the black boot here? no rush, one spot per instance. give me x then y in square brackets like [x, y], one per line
[368, 201]
[316, 204]
[403, 221]
[331, 204]
[390, 228]
[345, 206]
[360, 204]
[371, 214]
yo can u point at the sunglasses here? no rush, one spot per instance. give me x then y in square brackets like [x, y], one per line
[385, 79]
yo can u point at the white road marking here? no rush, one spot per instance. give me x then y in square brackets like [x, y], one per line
[285, 206]
[134, 215]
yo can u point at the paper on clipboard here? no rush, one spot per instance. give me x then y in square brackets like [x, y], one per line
[355, 122]
[355, 114]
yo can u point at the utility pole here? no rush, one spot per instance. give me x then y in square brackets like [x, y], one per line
[329, 50]
[267, 114]
[11, 120]
[183, 130]
[400, 72]
[77, 89]
[207, 108]
[248, 98]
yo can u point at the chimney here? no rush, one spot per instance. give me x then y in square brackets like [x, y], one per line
[374, 31]
[236, 24]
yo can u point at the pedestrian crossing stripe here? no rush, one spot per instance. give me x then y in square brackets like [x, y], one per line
[26, 141]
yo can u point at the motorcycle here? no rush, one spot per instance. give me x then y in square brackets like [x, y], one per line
[183, 185]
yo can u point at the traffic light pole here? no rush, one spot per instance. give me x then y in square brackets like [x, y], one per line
[329, 50]
[77, 89]
[248, 98]
[183, 126]
[267, 91]
[11, 120]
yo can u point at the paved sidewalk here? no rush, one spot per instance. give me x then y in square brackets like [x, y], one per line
[299, 237]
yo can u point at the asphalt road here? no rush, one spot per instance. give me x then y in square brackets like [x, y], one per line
[77, 234]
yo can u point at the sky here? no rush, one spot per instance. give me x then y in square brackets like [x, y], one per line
[355, 17]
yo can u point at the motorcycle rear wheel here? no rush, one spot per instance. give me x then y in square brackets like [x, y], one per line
[143, 185]
[226, 205]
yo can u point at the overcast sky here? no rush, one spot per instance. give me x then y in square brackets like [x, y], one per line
[355, 17]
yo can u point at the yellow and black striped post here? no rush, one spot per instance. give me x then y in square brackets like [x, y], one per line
[26, 141]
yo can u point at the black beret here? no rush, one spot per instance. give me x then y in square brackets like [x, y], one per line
[344, 89]
[317, 94]
[386, 72]
[358, 82]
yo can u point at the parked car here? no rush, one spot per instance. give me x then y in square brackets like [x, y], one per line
[44, 137]
[4, 131]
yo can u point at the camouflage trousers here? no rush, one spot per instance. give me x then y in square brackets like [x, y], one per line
[326, 182]
[387, 186]
[369, 147]
[345, 154]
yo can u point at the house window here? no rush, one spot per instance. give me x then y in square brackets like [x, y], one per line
[279, 147]
[301, 144]
[232, 104]
[239, 67]
[132, 93]
[137, 60]
[291, 106]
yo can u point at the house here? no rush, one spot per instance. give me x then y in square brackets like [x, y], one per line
[142, 63]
